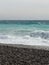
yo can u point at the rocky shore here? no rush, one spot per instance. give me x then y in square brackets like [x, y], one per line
[13, 55]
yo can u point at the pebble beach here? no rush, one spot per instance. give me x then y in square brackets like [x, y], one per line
[23, 55]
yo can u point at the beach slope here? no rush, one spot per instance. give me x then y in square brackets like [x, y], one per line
[11, 54]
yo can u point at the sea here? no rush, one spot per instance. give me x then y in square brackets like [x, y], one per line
[26, 32]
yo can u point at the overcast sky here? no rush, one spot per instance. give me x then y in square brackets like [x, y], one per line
[24, 9]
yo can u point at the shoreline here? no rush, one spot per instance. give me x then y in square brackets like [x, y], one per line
[26, 46]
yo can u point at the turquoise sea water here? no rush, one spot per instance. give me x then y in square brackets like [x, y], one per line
[27, 32]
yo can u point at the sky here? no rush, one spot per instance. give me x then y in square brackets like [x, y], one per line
[24, 9]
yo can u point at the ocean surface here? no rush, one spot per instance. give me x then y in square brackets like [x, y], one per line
[26, 32]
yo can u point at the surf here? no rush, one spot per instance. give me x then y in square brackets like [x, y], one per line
[26, 32]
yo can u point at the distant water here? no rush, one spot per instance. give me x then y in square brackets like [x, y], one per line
[27, 32]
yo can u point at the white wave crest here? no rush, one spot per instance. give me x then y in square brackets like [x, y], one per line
[25, 40]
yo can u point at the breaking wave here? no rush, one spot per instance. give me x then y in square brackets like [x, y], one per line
[26, 38]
